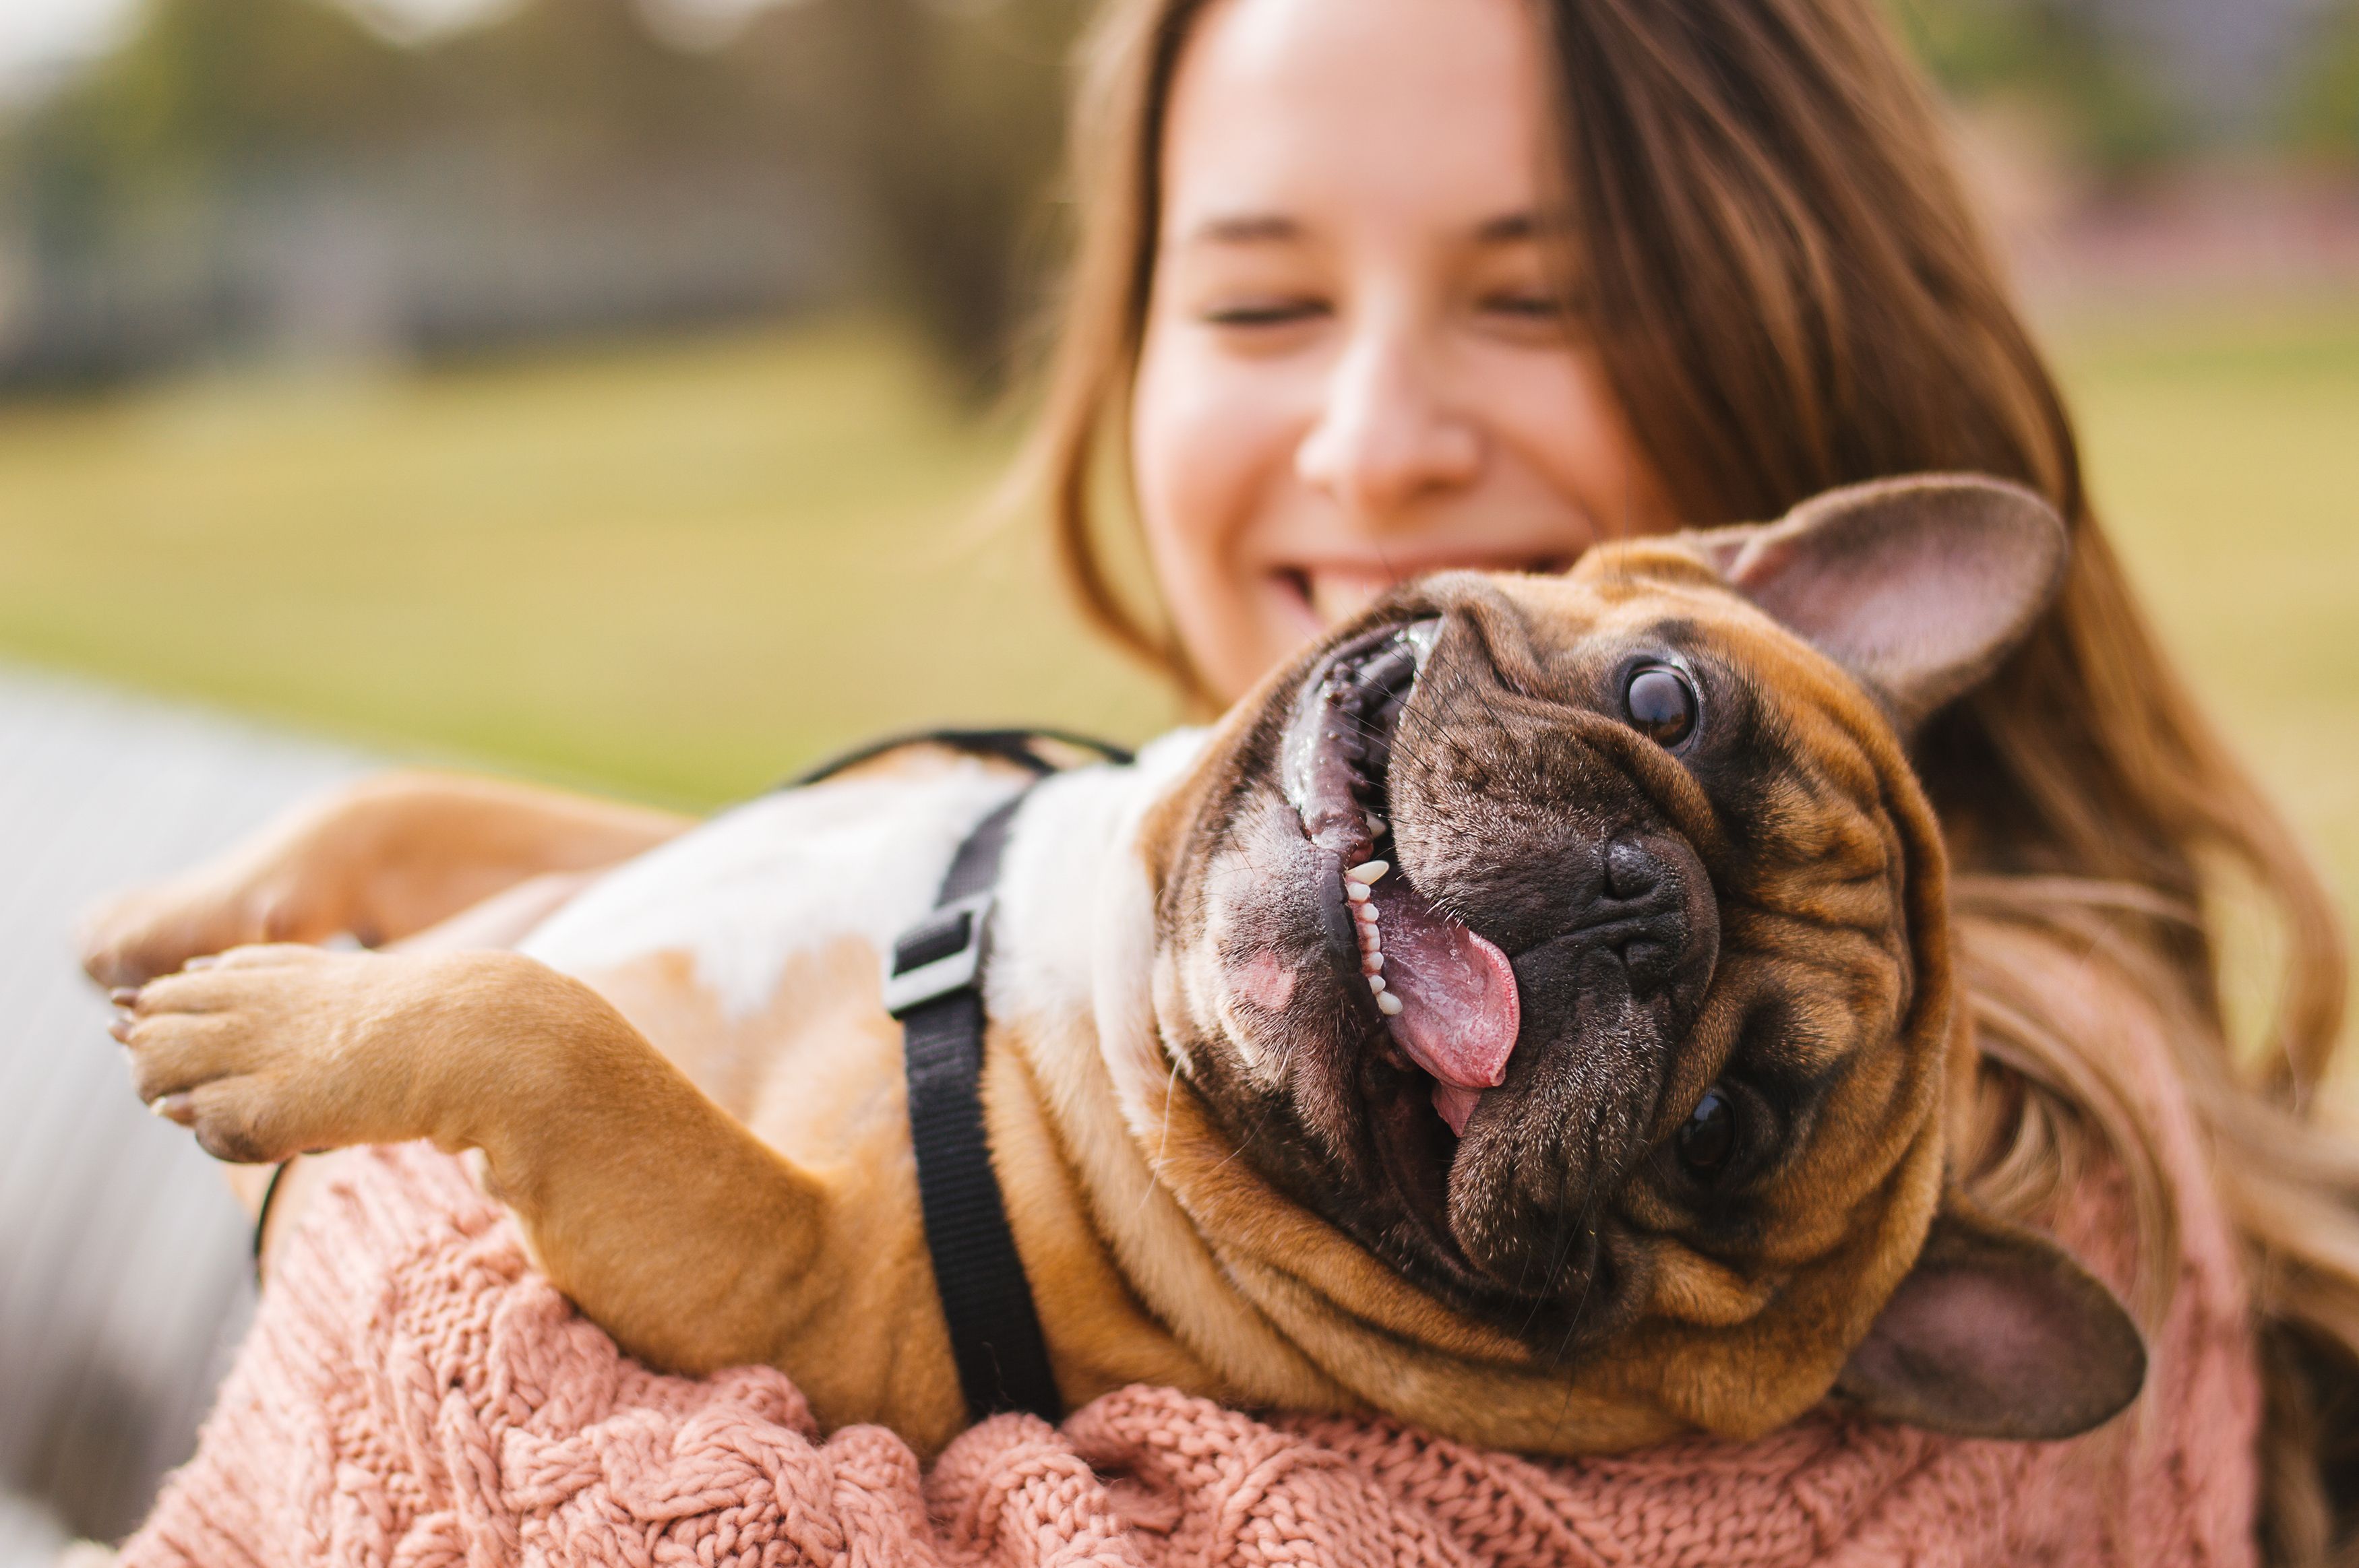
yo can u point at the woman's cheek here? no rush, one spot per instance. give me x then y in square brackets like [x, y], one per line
[1211, 452]
[1558, 413]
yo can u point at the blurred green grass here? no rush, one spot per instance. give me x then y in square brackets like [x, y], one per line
[2222, 448]
[678, 571]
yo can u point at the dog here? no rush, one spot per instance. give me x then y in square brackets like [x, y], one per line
[1529, 1015]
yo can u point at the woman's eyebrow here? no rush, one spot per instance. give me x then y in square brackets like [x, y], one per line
[1519, 227]
[1277, 228]
[1245, 229]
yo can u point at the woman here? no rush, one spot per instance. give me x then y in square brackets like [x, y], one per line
[1371, 288]
[1355, 340]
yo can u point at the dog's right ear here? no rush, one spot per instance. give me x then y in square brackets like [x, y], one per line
[1919, 586]
[1995, 1333]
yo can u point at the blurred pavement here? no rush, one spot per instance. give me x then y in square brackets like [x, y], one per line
[124, 1269]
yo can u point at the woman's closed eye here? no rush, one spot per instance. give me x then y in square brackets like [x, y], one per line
[1523, 302]
[1529, 312]
[1265, 312]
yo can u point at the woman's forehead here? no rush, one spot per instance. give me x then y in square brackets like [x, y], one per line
[1292, 119]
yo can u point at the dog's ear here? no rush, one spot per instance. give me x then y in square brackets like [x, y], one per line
[1995, 1333]
[1919, 586]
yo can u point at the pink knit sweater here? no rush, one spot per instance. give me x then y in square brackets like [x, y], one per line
[414, 1395]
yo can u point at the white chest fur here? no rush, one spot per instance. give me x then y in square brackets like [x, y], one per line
[864, 857]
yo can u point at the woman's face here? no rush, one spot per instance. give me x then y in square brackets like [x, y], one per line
[1356, 366]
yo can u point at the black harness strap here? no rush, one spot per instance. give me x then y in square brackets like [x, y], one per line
[1021, 747]
[933, 984]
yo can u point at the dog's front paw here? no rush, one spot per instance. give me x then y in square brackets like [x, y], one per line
[269, 1052]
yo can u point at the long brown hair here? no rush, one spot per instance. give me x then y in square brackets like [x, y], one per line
[1788, 291]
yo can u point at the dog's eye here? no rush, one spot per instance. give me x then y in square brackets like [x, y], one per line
[1708, 1137]
[1661, 704]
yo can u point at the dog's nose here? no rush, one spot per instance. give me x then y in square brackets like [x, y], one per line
[1649, 905]
[1632, 871]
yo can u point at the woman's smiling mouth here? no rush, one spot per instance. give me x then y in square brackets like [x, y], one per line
[1332, 592]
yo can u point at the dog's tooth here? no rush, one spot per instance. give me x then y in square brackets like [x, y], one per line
[1377, 824]
[1388, 1004]
[1369, 873]
[1364, 912]
[1376, 984]
[1356, 892]
[1375, 958]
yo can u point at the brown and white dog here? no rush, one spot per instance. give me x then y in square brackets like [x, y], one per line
[1529, 1015]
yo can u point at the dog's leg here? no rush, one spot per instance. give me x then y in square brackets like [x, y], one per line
[662, 1216]
[380, 859]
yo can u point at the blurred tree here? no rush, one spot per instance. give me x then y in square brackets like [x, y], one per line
[2321, 104]
[2066, 59]
[950, 115]
[202, 83]
[588, 79]
[201, 86]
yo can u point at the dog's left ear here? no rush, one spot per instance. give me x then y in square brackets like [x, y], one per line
[1919, 586]
[1995, 1333]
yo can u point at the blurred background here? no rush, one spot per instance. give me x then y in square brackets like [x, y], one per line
[603, 390]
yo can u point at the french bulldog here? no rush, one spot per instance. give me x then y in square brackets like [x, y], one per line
[1529, 1015]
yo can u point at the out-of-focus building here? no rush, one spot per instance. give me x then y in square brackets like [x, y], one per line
[268, 177]
[416, 256]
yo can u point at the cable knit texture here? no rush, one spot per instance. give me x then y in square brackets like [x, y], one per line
[413, 1395]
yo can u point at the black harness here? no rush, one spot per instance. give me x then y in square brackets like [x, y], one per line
[933, 984]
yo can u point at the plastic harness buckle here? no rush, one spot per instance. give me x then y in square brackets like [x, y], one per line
[941, 954]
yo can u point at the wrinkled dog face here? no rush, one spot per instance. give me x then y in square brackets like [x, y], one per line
[1576, 944]
[1615, 892]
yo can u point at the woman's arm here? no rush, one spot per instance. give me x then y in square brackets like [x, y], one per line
[381, 859]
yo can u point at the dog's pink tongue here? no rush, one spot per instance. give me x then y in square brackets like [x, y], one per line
[1458, 1010]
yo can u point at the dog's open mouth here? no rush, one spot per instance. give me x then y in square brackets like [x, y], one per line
[1447, 997]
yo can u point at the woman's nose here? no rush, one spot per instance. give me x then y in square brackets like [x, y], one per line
[1385, 438]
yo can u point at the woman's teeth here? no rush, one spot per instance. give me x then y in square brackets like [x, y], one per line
[1356, 883]
[1338, 593]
